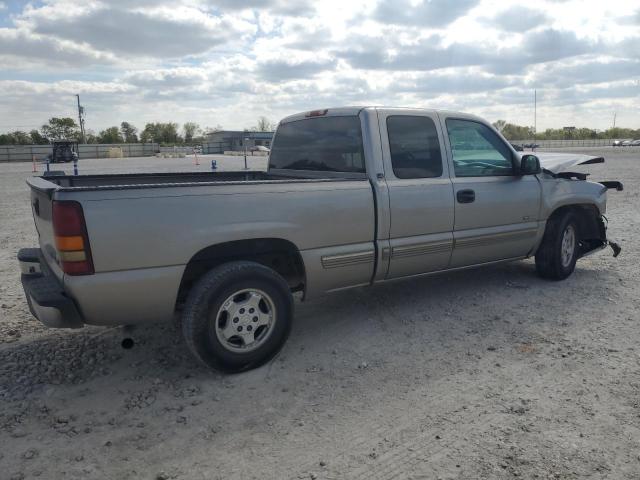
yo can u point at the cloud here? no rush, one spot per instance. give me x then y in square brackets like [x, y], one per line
[231, 61]
[64, 87]
[518, 19]
[431, 53]
[631, 19]
[20, 49]
[425, 54]
[167, 77]
[628, 48]
[427, 13]
[34, 102]
[308, 37]
[279, 70]
[458, 82]
[550, 44]
[161, 32]
[279, 7]
[563, 76]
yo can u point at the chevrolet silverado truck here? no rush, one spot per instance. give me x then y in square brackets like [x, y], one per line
[351, 197]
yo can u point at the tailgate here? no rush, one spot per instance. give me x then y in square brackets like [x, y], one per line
[41, 208]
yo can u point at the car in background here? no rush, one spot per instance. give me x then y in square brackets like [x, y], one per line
[626, 143]
[517, 148]
[617, 143]
[259, 148]
[530, 145]
[635, 143]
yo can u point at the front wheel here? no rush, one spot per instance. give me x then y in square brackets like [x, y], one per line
[557, 255]
[237, 316]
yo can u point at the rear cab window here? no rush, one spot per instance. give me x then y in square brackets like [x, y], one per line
[414, 147]
[329, 144]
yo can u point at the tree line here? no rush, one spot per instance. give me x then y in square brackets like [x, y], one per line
[518, 132]
[169, 133]
[190, 133]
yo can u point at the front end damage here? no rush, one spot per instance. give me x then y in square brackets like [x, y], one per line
[591, 244]
[592, 224]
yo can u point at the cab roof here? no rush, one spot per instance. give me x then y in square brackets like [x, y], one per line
[355, 110]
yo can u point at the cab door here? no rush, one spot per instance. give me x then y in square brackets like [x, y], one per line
[420, 193]
[496, 209]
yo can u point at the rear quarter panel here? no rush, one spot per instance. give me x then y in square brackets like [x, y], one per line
[141, 239]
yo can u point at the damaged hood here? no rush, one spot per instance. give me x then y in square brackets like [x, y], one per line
[562, 162]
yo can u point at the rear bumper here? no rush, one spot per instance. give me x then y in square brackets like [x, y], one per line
[45, 294]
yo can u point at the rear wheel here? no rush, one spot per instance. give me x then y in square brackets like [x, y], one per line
[557, 255]
[237, 316]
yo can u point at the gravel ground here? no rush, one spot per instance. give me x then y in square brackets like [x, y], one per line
[492, 373]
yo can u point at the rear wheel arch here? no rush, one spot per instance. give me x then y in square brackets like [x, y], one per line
[237, 316]
[280, 255]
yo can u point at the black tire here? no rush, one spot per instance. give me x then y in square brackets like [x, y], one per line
[549, 263]
[206, 298]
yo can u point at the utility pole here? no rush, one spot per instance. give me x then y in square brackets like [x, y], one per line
[81, 119]
[535, 114]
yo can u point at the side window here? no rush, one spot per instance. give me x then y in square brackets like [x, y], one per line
[477, 150]
[414, 145]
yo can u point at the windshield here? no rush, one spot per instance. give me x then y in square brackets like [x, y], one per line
[325, 144]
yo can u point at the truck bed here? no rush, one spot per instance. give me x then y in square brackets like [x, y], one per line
[151, 180]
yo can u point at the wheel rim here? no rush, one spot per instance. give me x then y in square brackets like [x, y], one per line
[568, 245]
[245, 320]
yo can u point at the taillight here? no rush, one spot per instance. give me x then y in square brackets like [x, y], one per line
[72, 241]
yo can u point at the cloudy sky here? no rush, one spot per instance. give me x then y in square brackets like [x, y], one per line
[227, 62]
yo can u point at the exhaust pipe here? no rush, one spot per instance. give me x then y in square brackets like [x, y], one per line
[127, 341]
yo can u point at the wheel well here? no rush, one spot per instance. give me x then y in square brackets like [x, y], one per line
[591, 228]
[277, 254]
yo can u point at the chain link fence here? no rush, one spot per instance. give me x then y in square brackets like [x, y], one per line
[590, 142]
[26, 153]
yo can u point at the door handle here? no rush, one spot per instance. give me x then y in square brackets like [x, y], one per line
[466, 196]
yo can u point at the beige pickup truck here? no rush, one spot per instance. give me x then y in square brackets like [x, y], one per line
[352, 197]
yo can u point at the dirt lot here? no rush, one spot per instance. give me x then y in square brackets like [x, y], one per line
[491, 373]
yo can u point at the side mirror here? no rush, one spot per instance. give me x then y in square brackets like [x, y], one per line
[529, 165]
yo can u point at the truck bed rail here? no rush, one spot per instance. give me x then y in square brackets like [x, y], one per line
[63, 183]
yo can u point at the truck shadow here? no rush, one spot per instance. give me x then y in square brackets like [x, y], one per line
[349, 327]
[470, 292]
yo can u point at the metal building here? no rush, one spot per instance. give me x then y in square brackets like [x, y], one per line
[235, 140]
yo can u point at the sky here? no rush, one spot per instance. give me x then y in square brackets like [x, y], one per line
[228, 62]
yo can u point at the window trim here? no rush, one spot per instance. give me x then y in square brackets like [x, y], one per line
[514, 166]
[443, 170]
